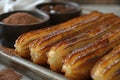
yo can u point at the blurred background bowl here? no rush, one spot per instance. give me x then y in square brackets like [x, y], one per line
[9, 32]
[60, 11]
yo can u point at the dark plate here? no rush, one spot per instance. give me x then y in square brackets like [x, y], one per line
[56, 18]
[9, 33]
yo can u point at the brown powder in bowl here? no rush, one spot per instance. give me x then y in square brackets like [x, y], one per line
[21, 18]
[8, 74]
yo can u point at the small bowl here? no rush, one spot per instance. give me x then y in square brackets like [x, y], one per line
[9, 32]
[57, 17]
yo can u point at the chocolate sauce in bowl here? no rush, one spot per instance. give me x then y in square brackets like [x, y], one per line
[57, 8]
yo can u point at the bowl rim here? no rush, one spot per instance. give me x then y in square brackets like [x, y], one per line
[28, 11]
[74, 4]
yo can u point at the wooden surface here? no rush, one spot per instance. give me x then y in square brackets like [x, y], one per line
[3, 66]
